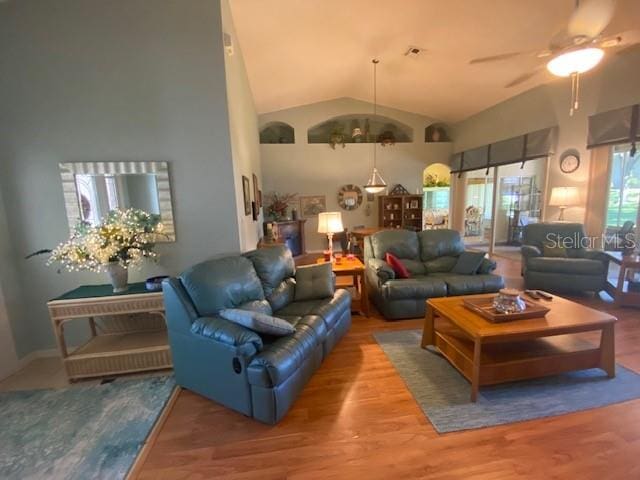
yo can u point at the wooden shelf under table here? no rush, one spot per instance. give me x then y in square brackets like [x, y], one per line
[120, 353]
[503, 362]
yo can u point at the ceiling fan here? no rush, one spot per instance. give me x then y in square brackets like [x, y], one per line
[576, 49]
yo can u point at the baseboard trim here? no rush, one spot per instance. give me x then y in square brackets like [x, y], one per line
[46, 353]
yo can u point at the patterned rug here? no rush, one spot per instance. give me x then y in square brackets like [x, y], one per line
[79, 432]
[443, 393]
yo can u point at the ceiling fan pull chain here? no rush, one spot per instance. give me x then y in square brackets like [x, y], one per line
[577, 97]
[574, 93]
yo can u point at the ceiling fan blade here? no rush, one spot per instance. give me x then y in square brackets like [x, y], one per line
[495, 58]
[628, 37]
[523, 78]
[591, 18]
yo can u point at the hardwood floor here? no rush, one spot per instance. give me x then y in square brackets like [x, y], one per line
[356, 419]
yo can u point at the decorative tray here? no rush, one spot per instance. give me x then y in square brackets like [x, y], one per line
[484, 307]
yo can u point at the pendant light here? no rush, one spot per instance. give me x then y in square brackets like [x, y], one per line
[376, 183]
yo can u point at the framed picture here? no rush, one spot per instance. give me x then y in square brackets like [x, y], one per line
[247, 195]
[256, 195]
[312, 205]
[414, 204]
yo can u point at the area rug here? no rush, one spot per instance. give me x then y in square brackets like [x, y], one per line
[79, 432]
[443, 393]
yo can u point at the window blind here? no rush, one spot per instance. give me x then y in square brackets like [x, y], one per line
[537, 144]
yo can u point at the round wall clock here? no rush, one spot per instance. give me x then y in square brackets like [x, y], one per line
[569, 163]
[349, 197]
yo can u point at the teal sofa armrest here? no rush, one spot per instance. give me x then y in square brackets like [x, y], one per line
[382, 269]
[245, 341]
[530, 251]
[596, 255]
[487, 266]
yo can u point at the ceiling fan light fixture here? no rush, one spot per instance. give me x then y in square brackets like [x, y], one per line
[575, 61]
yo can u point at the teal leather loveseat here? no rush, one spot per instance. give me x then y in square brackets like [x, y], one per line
[429, 256]
[257, 375]
[581, 270]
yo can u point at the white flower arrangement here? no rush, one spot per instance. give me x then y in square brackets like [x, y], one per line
[126, 237]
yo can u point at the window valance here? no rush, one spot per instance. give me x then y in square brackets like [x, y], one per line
[614, 127]
[538, 144]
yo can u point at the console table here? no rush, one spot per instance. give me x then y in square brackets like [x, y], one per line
[128, 330]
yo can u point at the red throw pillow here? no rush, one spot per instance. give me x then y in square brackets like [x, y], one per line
[398, 268]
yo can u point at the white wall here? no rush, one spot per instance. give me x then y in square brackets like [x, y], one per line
[243, 126]
[611, 85]
[317, 169]
[99, 81]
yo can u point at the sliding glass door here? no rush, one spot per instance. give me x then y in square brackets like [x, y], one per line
[624, 188]
[518, 202]
[478, 209]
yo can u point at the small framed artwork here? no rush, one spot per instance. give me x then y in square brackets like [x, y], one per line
[414, 204]
[312, 205]
[247, 195]
[255, 191]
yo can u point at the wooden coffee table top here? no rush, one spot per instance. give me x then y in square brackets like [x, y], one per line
[564, 317]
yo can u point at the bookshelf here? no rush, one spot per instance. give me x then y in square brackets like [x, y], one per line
[400, 211]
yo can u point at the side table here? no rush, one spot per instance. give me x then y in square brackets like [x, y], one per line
[353, 267]
[621, 295]
[130, 337]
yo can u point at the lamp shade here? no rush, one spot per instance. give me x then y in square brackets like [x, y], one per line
[330, 222]
[564, 197]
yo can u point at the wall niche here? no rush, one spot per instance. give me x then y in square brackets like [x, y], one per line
[437, 133]
[360, 128]
[277, 132]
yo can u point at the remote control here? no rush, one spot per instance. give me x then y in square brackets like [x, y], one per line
[545, 295]
[533, 294]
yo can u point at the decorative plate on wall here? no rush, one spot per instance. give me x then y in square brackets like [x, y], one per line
[349, 197]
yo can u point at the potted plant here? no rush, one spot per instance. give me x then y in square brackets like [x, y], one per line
[337, 136]
[123, 240]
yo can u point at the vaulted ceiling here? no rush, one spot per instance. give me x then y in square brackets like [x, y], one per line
[303, 51]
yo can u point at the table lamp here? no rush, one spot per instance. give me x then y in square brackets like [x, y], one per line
[330, 223]
[563, 197]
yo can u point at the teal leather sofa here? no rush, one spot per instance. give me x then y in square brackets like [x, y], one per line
[256, 375]
[583, 269]
[429, 256]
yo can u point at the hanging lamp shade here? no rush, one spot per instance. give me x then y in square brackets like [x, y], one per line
[376, 183]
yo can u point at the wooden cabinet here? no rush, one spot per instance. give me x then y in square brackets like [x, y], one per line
[290, 233]
[400, 211]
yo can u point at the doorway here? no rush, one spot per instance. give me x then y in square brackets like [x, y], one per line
[478, 209]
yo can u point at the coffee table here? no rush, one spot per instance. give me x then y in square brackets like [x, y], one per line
[488, 353]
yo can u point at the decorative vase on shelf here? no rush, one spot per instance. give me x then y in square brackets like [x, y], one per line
[118, 276]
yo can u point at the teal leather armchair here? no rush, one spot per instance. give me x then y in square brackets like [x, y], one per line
[582, 270]
[429, 256]
[257, 375]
